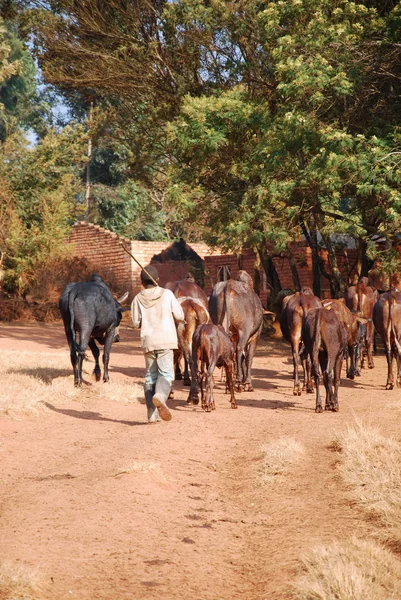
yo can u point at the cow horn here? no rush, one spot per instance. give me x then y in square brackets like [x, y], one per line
[122, 298]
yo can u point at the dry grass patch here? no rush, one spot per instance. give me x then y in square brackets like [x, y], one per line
[279, 456]
[355, 570]
[371, 465]
[18, 582]
[29, 380]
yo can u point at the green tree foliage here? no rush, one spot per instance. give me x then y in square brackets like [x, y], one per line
[38, 203]
[129, 211]
[262, 120]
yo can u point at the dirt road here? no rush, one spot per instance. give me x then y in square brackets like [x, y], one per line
[105, 506]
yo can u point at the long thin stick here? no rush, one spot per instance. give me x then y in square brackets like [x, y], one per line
[138, 263]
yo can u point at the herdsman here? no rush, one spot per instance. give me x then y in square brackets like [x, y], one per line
[154, 310]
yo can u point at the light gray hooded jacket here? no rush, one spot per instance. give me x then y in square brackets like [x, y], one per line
[154, 310]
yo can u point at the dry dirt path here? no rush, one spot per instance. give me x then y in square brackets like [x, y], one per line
[105, 506]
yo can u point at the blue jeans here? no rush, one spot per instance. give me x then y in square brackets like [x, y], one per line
[159, 363]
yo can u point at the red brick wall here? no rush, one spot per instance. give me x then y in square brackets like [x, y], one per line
[102, 248]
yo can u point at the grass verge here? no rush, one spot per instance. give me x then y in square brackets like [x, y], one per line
[18, 582]
[370, 464]
[353, 570]
[30, 380]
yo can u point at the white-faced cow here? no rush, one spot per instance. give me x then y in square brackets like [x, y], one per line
[89, 309]
[293, 312]
[325, 342]
[235, 305]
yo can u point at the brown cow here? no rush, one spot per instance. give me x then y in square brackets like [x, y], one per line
[211, 347]
[325, 341]
[361, 299]
[236, 306]
[294, 309]
[186, 288]
[387, 321]
[355, 327]
[195, 314]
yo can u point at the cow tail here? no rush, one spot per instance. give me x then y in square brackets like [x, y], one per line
[226, 325]
[360, 301]
[71, 298]
[316, 345]
[391, 324]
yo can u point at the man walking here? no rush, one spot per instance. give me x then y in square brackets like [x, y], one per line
[154, 310]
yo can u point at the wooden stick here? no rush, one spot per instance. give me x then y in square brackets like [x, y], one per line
[138, 263]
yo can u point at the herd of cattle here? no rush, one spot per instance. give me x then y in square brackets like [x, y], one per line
[224, 329]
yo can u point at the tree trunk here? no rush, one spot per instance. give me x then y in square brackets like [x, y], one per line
[337, 282]
[88, 177]
[273, 280]
[311, 237]
[362, 264]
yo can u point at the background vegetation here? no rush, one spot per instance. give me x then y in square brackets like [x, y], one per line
[241, 123]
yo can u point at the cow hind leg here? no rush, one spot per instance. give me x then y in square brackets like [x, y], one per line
[106, 354]
[84, 339]
[295, 358]
[337, 378]
[209, 400]
[228, 367]
[389, 351]
[250, 353]
[95, 351]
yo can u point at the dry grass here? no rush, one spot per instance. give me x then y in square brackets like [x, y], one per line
[18, 582]
[371, 465]
[29, 380]
[355, 570]
[279, 456]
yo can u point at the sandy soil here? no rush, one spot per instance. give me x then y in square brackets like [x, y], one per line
[105, 506]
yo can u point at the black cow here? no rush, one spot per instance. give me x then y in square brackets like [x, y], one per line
[88, 308]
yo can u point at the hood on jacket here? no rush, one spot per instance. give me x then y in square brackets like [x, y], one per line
[150, 296]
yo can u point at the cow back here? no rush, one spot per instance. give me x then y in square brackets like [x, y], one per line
[235, 305]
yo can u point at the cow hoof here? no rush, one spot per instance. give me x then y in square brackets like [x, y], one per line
[187, 382]
[97, 375]
[371, 366]
[171, 395]
[389, 386]
[309, 390]
[335, 408]
[178, 377]
[106, 380]
[234, 406]
[296, 392]
[319, 409]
